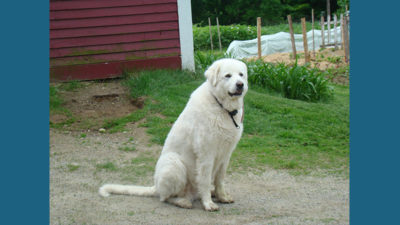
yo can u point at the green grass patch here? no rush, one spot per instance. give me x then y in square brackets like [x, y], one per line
[108, 166]
[55, 100]
[71, 85]
[72, 167]
[127, 148]
[56, 107]
[118, 124]
[278, 132]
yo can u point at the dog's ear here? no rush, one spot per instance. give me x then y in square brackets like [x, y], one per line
[212, 73]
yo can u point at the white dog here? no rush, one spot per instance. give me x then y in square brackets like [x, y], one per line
[197, 150]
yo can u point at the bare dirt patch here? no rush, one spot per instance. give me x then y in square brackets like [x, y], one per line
[94, 102]
[323, 59]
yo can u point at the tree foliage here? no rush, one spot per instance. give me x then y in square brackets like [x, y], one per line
[271, 11]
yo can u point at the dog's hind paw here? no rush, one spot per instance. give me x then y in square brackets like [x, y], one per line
[225, 199]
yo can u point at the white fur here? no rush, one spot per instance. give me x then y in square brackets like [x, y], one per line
[196, 153]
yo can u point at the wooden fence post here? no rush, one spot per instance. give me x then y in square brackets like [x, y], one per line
[322, 31]
[328, 19]
[346, 40]
[219, 36]
[289, 17]
[344, 25]
[342, 30]
[334, 28]
[312, 24]
[305, 42]
[211, 41]
[259, 36]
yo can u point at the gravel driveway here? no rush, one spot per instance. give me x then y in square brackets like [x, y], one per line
[274, 197]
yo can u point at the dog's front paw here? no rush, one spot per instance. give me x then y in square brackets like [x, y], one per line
[210, 206]
[226, 198]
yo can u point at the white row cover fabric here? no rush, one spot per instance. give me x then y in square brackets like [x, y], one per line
[280, 42]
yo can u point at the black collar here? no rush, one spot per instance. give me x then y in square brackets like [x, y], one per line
[231, 113]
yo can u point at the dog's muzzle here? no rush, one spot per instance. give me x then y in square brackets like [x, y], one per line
[239, 89]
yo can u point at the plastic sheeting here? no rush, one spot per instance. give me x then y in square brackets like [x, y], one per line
[280, 42]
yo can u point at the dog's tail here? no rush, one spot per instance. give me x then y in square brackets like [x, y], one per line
[108, 189]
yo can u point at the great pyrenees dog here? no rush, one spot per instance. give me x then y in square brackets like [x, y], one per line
[197, 150]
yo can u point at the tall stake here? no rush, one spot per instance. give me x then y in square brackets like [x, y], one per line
[313, 43]
[219, 36]
[346, 39]
[211, 42]
[328, 18]
[322, 31]
[334, 28]
[259, 36]
[305, 42]
[342, 30]
[289, 17]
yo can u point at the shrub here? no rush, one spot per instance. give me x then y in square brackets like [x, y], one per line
[201, 35]
[293, 82]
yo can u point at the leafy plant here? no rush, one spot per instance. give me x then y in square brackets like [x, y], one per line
[334, 59]
[296, 82]
[204, 59]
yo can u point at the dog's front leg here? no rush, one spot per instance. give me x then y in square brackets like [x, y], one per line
[203, 180]
[220, 192]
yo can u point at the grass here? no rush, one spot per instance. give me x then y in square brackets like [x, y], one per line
[127, 148]
[72, 167]
[71, 85]
[279, 133]
[118, 124]
[55, 99]
[295, 135]
[109, 166]
[56, 107]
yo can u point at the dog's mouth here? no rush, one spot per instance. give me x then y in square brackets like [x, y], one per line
[237, 93]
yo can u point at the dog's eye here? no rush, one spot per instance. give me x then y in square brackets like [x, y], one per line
[241, 74]
[228, 75]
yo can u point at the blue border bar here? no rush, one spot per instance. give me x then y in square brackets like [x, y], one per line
[24, 160]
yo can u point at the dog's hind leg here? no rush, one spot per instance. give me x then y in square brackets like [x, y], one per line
[170, 177]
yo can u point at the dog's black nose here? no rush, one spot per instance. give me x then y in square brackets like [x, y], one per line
[239, 85]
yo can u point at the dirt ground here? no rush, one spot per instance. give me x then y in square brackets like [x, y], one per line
[322, 59]
[274, 197]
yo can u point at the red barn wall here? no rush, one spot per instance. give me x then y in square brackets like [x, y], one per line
[95, 39]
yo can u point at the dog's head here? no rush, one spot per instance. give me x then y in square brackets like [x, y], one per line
[228, 77]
